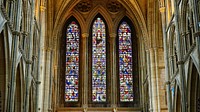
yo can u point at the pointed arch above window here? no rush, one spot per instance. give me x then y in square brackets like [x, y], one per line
[99, 75]
[98, 61]
[127, 67]
[125, 62]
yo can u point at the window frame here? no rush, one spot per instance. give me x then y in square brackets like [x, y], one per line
[63, 53]
[135, 74]
[108, 77]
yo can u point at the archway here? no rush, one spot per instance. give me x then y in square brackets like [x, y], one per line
[18, 95]
[178, 100]
[194, 90]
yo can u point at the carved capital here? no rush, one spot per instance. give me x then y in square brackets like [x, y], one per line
[197, 34]
[34, 57]
[85, 35]
[167, 82]
[113, 35]
[50, 110]
[180, 62]
[25, 33]
[85, 106]
[38, 82]
[55, 67]
[162, 9]
[184, 34]
[29, 61]
[42, 8]
[15, 32]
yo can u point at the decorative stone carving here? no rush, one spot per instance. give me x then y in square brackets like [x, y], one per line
[84, 6]
[114, 6]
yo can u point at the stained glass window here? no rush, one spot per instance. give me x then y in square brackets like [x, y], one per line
[125, 63]
[72, 62]
[98, 61]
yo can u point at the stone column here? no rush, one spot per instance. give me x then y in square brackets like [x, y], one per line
[196, 10]
[29, 57]
[142, 77]
[47, 79]
[113, 67]
[41, 55]
[11, 10]
[84, 67]
[180, 59]
[50, 81]
[55, 86]
[13, 68]
[153, 80]
[149, 80]
[167, 75]
[156, 50]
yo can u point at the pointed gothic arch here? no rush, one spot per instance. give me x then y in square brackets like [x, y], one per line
[18, 92]
[111, 25]
[2, 72]
[178, 100]
[71, 63]
[128, 90]
[193, 89]
[98, 53]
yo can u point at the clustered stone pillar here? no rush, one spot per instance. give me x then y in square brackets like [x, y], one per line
[16, 34]
[167, 76]
[196, 10]
[29, 56]
[180, 59]
[113, 70]
[84, 65]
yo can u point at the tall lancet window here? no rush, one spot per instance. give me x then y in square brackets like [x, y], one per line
[72, 62]
[125, 62]
[99, 61]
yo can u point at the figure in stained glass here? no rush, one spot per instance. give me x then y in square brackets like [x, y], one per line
[98, 61]
[72, 62]
[125, 63]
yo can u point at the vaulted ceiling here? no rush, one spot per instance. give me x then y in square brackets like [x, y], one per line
[58, 3]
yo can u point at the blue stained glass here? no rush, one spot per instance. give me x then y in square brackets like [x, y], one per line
[98, 61]
[72, 62]
[125, 63]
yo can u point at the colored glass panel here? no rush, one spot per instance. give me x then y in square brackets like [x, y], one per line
[125, 63]
[98, 61]
[72, 62]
